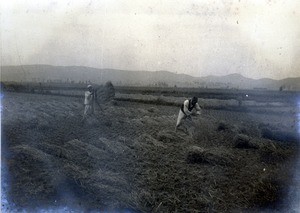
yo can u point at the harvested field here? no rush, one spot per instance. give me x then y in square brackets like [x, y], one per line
[128, 157]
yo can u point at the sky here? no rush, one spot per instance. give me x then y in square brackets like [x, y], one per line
[258, 38]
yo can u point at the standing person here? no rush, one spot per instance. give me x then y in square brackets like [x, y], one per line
[186, 110]
[88, 102]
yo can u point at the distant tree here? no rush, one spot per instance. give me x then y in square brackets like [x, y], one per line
[281, 88]
[162, 84]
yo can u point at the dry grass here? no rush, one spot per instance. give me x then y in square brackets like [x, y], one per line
[130, 158]
[216, 156]
[244, 142]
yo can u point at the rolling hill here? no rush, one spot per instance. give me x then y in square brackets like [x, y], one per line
[46, 73]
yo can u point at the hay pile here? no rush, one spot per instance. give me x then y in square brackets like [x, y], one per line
[224, 126]
[50, 172]
[244, 142]
[168, 136]
[215, 156]
[36, 173]
[146, 142]
[105, 93]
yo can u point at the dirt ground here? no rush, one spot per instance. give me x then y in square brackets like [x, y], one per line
[128, 157]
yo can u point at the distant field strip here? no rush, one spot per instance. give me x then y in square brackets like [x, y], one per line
[206, 103]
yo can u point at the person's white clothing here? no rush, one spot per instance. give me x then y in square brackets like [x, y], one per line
[186, 112]
[88, 99]
[186, 107]
[87, 110]
[88, 102]
[181, 116]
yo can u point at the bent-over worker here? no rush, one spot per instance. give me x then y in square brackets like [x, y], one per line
[186, 110]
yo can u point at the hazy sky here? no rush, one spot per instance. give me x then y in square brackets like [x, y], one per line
[254, 38]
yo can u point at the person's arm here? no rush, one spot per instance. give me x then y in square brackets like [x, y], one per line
[198, 108]
[89, 97]
[185, 108]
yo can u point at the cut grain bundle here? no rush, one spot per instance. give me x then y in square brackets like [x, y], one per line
[224, 126]
[169, 137]
[109, 188]
[146, 141]
[34, 174]
[149, 121]
[54, 150]
[244, 142]
[216, 156]
[153, 109]
[84, 153]
[26, 154]
[117, 147]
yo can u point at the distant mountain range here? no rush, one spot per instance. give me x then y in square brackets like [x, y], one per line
[48, 73]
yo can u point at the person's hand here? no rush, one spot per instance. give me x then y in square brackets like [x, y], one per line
[198, 113]
[193, 113]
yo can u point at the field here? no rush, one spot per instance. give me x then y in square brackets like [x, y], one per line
[237, 155]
